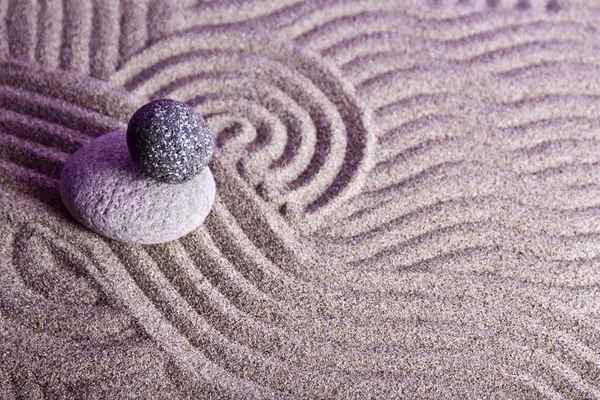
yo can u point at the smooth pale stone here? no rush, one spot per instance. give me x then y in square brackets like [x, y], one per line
[104, 190]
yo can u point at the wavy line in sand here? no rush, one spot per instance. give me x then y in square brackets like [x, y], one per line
[54, 310]
[329, 381]
[502, 59]
[89, 37]
[424, 134]
[296, 86]
[481, 48]
[138, 264]
[145, 284]
[349, 21]
[528, 110]
[448, 213]
[487, 336]
[535, 81]
[530, 161]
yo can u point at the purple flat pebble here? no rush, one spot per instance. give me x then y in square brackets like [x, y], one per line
[104, 190]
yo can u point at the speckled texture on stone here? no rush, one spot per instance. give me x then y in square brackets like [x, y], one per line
[105, 191]
[169, 141]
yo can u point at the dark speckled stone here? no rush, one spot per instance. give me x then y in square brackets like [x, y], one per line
[169, 141]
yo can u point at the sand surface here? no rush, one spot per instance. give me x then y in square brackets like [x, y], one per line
[408, 201]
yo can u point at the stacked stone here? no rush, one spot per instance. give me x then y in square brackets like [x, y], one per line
[150, 184]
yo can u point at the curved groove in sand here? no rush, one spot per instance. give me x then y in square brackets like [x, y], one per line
[517, 120]
[134, 27]
[293, 137]
[119, 283]
[352, 50]
[89, 37]
[428, 99]
[499, 60]
[537, 220]
[472, 233]
[408, 199]
[463, 179]
[341, 153]
[320, 36]
[534, 160]
[33, 156]
[41, 131]
[552, 79]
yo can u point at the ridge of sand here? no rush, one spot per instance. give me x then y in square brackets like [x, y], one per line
[407, 207]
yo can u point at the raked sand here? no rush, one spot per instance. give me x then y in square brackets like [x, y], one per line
[408, 201]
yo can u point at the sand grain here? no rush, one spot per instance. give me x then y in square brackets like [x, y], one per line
[407, 201]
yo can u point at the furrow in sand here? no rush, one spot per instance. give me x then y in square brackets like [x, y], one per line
[554, 125]
[463, 179]
[31, 155]
[49, 40]
[383, 288]
[471, 234]
[190, 362]
[150, 280]
[282, 345]
[31, 183]
[35, 130]
[497, 43]
[572, 280]
[328, 29]
[270, 232]
[73, 360]
[22, 29]
[417, 134]
[407, 200]
[81, 91]
[194, 16]
[233, 349]
[504, 114]
[539, 80]
[295, 12]
[334, 172]
[470, 209]
[215, 304]
[133, 27]
[476, 234]
[57, 113]
[258, 371]
[576, 221]
[76, 35]
[81, 36]
[30, 298]
[382, 367]
[104, 38]
[502, 59]
[532, 161]
[571, 174]
[252, 286]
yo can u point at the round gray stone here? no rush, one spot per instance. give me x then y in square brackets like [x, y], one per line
[104, 190]
[169, 141]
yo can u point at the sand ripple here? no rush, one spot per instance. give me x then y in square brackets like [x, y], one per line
[408, 201]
